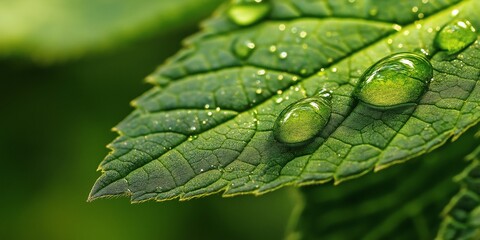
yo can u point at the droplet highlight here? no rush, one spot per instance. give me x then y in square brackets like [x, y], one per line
[394, 81]
[301, 121]
[247, 12]
[456, 36]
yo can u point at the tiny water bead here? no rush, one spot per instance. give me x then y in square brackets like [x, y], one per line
[396, 80]
[301, 121]
[456, 36]
[247, 12]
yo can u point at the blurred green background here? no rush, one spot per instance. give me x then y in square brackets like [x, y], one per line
[68, 71]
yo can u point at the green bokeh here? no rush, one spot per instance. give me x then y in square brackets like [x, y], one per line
[55, 123]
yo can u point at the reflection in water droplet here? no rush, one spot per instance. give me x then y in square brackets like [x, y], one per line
[456, 36]
[301, 121]
[397, 80]
[247, 12]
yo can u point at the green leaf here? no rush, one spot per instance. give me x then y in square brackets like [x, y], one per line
[52, 30]
[402, 202]
[462, 214]
[206, 125]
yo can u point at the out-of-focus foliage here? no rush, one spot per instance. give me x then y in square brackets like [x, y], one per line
[55, 123]
[53, 30]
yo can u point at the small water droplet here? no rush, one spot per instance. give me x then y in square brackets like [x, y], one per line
[243, 48]
[217, 109]
[302, 120]
[396, 80]
[456, 36]
[283, 55]
[272, 48]
[193, 128]
[247, 12]
[280, 77]
[261, 72]
[207, 106]
[415, 9]
[279, 92]
[455, 12]
[209, 113]
[258, 91]
[303, 34]
[397, 27]
[282, 27]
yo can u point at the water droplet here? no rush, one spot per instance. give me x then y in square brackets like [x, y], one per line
[258, 91]
[282, 27]
[283, 55]
[209, 113]
[397, 27]
[247, 12]
[396, 80]
[261, 72]
[207, 106]
[301, 121]
[217, 109]
[243, 47]
[303, 34]
[272, 48]
[456, 36]
[455, 12]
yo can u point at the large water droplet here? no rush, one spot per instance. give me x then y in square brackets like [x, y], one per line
[397, 80]
[247, 12]
[456, 36]
[301, 121]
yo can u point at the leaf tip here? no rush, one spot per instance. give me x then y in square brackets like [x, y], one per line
[105, 187]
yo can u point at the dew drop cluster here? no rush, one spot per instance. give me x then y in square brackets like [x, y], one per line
[395, 81]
